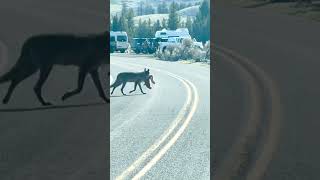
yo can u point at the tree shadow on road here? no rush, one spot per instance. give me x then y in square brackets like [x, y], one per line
[51, 107]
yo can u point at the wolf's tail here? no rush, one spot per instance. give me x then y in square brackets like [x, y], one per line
[14, 70]
[116, 83]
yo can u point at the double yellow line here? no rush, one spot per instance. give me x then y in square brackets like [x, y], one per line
[170, 136]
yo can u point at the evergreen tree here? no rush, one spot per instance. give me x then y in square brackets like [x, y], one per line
[162, 8]
[174, 20]
[115, 23]
[149, 29]
[159, 9]
[157, 26]
[164, 23]
[148, 9]
[130, 22]
[201, 25]
[165, 8]
[123, 24]
[142, 30]
[188, 25]
[124, 9]
[140, 9]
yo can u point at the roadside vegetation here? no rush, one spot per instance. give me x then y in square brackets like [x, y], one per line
[185, 51]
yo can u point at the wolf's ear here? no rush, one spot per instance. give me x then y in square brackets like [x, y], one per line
[148, 70]
[145, 69]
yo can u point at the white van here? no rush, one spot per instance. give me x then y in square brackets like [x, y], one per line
[118, 41]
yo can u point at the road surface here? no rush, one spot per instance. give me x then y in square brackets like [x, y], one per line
[69, 140]
[180, 100]
[266, 95]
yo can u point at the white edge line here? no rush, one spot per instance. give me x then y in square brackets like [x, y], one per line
[172, 141]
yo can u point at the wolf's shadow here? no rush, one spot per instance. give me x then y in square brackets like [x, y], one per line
[127, 95]
[52, 107]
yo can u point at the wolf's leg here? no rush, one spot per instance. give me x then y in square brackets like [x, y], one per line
[141, 89]
[123, 85]
[113, 89]
[28, 71]
[44, 73]
[82, 76]
[135, 87]
[97, 82]
[10, 91]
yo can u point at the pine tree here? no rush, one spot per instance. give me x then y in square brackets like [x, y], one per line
[140, 9]
[130, 22]
[162, 8]
[164, 23]
[149, 29]
[124, 9]
[188, 24]
[115, 23]
[174, 20]
[123, 24]
[201, 25]
[157, 26]
[148, 9]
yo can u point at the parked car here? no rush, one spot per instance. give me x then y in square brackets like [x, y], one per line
[136, 45]
[118, 41]
[144, 45]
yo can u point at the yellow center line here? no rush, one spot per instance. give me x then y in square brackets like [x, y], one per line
[188, 85]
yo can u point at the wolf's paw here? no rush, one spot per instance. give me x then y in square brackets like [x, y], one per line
[5, 101]
[65, 96]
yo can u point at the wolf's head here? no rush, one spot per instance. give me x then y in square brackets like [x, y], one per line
[146, 81]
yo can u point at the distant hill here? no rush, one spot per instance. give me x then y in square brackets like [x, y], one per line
[114, 9]
[184, 13]
[155, 17]
[189, 11]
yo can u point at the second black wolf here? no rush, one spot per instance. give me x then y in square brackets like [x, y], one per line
[42, 52]
[136, 77]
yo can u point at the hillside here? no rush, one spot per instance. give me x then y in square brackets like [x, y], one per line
[189, 11]
[155, 17]
[184, 13]
[114, 9]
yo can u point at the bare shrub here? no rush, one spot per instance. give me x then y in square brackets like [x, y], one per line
[185, 51]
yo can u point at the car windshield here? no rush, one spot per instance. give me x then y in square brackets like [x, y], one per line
[122, 38]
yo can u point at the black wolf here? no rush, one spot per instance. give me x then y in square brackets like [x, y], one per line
[42, 52]
[136, 77]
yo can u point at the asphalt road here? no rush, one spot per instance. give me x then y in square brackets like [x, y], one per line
[273, 66]
[69, 140]
[180, 98]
